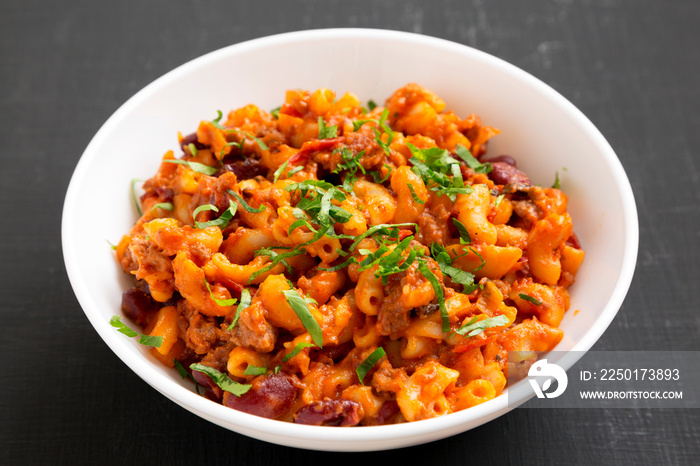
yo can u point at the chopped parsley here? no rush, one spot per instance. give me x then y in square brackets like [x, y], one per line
[414, 195]
[221, 222]
[471, 161]
[301, 309]
[195, 166]
[297, 349]
[459, 276]
[146, 340]
[350, 165]
[220, 302]
[245, 302]
[134, 197]
[216, 122]
[245, 205]
[222, 380]
[193, 149]
[464, 237]
[440, 172]
[475, 326]
[326, 132]
[277, 258]
[439, 294]
[367, 365]
[163, 205]
[255, 370]
[530, 299]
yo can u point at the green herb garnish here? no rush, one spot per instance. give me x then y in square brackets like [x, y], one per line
[439, 293]
[367, 365]
[464, 237]
[134, 197]
[326, 132]
[195, 166]
[216, 123]
[297, 349]
[245, 302]
[193, 149]
[498, 200]
[475, 327]
[222, 380]
[220, 302]
[255, 370]
[530, 299]
[276, 259]
[440, 172]
[146, 340]
[471, 161]
[444, 261]
[163, 205]
[221, 222]
[556, 184]
[245, 205]
[301, 309]
[414, 195]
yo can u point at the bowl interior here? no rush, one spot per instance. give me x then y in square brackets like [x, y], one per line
[542, 130]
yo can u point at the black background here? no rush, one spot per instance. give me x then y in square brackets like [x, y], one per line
[632, 66]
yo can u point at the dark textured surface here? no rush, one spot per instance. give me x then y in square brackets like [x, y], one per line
[631, 66]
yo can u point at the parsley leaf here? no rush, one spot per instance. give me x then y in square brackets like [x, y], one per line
[221, 222]
[326, 132]
[556, 184]
[163, 205]
[276, 259]
[301, 309]
[369, 362]
[147, 340]
[222, 380]
[530, 299]
[245, 302]
[414, 195]
[439, 293]
[475, 327]
[297, 349]
[245, 205]
[134, 197]
[444, 261]
[195, 166]
[220, 302]
[464, 237]
[255, 370]
[471, 161]
[440, 172]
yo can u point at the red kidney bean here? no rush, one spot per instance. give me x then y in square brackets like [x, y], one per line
[573, 241]
[337, 352]
[504, 173]
[386, 414]
[501, 158]
[138, 307]
[213, 392]
[191, 139]
[342, 413]
[244, 169]
[270, 396]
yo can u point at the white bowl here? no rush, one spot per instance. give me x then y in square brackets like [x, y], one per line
[540, 128]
